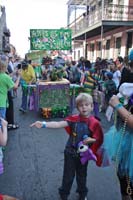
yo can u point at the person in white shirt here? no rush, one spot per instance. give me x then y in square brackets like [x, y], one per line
[116, 74]
[10, 62]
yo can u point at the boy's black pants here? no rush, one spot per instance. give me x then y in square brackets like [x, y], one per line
[72, 167]
[10, 109]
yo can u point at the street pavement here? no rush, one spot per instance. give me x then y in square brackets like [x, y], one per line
[33, 162]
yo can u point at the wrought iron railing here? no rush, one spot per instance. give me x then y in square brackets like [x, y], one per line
[111, 12]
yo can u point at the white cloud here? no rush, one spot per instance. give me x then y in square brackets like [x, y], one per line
[23, 15]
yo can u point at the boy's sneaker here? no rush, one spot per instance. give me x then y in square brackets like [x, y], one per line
[82, 198]
[62, 195]
[22, 110]
[63, 198]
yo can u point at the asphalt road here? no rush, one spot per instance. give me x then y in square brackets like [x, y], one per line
[33, 162]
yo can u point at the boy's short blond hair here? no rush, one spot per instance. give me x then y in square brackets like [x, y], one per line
[3, 63]
[84, 97]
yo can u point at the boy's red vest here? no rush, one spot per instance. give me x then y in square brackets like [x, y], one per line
[96, 130]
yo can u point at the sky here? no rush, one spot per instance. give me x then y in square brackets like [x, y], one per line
[23, 15]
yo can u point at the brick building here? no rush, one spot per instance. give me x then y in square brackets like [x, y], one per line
[102, 28]
[4, 32]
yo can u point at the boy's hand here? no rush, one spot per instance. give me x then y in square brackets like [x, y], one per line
[37, 124]
[89, 140]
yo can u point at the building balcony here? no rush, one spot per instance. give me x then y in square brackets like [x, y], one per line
[112, 15]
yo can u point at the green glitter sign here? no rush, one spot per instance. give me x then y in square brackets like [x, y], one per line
[50, 39]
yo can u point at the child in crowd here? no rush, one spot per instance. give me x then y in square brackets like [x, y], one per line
[109, 87]
[78, 127]
[3, 142]
[6, 84]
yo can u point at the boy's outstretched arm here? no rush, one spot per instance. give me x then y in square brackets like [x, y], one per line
[53, 124]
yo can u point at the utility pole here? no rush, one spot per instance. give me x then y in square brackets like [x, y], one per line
[102, 29]
[86, 17]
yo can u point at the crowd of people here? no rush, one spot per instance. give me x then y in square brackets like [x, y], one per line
[101, 82]
[6, 112]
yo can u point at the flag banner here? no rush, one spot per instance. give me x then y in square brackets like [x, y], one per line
[50, 39]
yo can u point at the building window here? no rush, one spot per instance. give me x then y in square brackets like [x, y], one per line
[110, 1]
[108, 45]
[98, 46]
[92, 51]
[78, 54]
[129, 40]
[74, 55]
[118, 43]
[121, 2]
[93, 8]
[118, 46]
[92, 46]
[100, 3]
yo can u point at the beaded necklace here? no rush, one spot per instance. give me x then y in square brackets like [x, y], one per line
[129, 189]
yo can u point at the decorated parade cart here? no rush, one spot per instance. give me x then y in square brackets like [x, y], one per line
[52, 97]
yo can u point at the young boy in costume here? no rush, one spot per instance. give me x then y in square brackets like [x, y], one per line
[78, 127]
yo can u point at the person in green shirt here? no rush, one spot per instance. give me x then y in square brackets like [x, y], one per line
[6, 84]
